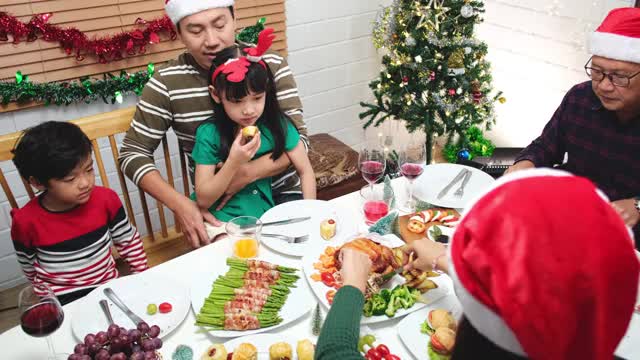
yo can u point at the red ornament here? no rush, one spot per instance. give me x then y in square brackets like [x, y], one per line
[432, 76]
[477, 97]
[405, 79]
[452, 92]
[137, 34]
[154, 38]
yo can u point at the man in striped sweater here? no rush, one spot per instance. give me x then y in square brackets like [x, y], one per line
[177, 97]
[63, 236]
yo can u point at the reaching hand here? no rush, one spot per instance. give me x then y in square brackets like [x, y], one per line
[627, 210]
[356, 267]
[425, 252]
[190, 218]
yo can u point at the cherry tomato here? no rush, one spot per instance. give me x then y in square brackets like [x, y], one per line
[330, 295]
[328, 279]
[391, 357]
[373, 354]
[383, 350]
[165, 307]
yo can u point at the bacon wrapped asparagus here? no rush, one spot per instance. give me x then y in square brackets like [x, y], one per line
[249, 296]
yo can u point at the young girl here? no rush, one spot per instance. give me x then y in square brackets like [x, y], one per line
[244, 94]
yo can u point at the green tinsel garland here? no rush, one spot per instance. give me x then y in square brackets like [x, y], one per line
[110, 89]
[250, 33]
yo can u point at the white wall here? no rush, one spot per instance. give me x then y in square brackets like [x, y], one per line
[537, 49]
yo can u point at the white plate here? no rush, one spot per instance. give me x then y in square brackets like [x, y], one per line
[435, 177]
[319, 289]
[136, 291]
[297, 305]
[409, 328]
[318, 211]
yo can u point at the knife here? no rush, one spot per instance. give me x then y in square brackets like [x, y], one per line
[446, 189]
[116, 300]
[286, 222]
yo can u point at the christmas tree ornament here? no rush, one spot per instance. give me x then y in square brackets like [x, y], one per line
[459, 91]
[467, 50]
[410, 41]
[456, 63]
[405, 79]
[502, 99]
[452, 92]
[418, 59]
[464, 154]
[432, 76]
[466, 11]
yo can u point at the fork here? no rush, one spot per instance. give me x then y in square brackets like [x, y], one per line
[466, 179]
[289, 239]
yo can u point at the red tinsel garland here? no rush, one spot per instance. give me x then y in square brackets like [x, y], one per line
[73, 40]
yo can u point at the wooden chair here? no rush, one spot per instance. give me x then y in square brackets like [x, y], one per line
[108, 125]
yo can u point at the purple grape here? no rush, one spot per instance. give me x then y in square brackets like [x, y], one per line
[101, 337]
[138, 355]
[154, 331]
[143, 327]
[113, 331]
[136, 348]
[89, 339]
[124, 337]
[157, 343]
[93, 348]
[102, 354]
[118, 356]
[147, 345]
[134, 335]
[75, 357]
[150, 355]
[80, 349]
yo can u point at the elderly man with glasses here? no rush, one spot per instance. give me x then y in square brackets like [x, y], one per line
[597, 125]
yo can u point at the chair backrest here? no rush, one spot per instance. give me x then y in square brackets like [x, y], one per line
[107, 125]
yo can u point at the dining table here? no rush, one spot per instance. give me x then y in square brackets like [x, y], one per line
[15, 344]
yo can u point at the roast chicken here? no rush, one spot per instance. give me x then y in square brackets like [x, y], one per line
[384, 261]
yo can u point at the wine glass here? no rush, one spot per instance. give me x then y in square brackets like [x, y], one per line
[41, 314]
[412, 159]
[372, 162]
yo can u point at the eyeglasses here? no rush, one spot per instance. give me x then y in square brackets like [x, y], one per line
[617, 80]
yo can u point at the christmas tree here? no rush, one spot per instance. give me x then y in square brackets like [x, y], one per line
[434, 76]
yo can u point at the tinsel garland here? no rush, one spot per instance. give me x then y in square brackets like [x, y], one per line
[72, 40]
[110, 89]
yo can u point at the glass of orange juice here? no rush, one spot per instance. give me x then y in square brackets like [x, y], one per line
[244, 232]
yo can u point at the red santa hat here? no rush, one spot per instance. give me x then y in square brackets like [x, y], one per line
[545, 268]
[178, 9]
[618, 37]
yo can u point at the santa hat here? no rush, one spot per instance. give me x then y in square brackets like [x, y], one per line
[545, 268]
[618, 37]
[178, 9]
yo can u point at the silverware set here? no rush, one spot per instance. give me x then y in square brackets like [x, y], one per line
[465, 176]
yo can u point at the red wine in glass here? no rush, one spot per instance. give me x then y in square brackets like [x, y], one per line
[372, 170]
[411, 171]
[42, 319]
[375, 210]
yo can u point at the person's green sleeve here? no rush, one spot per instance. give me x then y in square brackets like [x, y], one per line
[207, 145]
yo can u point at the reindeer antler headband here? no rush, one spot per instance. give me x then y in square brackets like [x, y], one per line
[236, 69]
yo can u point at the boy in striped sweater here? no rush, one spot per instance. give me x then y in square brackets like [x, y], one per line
[176, 97]
[63, 236]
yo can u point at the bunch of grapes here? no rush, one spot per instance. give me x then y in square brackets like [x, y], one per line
[118, 343]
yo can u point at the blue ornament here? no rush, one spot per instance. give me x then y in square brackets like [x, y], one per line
[464, 154]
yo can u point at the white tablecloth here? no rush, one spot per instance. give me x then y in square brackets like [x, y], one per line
[16, 345]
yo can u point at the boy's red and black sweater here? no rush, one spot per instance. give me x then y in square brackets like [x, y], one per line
[71, 250]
